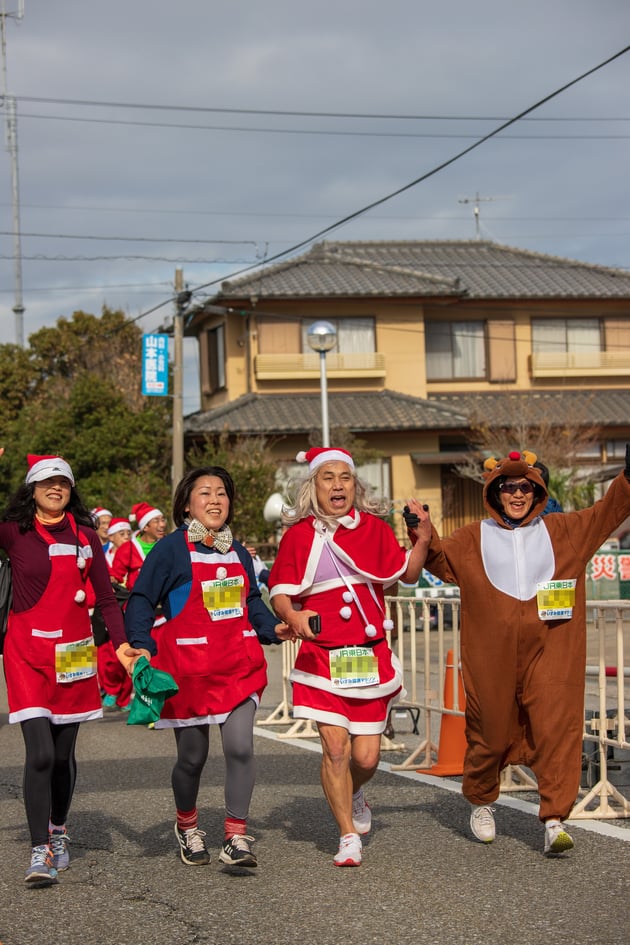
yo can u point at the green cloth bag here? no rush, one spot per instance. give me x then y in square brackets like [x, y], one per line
[152, 687]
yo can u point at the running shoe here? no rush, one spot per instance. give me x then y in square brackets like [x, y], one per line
[41, 872]
[557, 840]
[59, 841]
[237, 851]
[349, 853]
[361, 813]
[109, 701]
[192, 846]
[482, 823]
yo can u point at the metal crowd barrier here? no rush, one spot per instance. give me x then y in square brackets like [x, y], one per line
[426, 632]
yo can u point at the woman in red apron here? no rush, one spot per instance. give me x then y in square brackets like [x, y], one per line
[49, 652]
[210, 643]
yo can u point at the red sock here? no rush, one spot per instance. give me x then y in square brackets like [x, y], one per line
[234, 826]
[187, 819]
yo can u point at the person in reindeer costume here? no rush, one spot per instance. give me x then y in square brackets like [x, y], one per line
[523, 635]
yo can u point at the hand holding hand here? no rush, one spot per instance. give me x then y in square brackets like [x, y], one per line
[128, 655]
[417, 520]
[284, 632]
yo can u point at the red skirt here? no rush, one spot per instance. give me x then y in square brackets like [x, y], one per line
[362, 710]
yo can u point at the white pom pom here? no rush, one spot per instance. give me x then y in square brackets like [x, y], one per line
[345, 613]
[388, 625]
[370, 630]
[347, 597]
[79, 596]
[80, 563]
[301, 457]
[221, 573]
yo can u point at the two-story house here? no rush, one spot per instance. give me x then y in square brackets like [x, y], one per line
[431, 338]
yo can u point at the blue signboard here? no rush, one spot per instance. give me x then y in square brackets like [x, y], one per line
[155, 365]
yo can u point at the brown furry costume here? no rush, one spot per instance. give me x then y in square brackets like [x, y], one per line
[524, 673]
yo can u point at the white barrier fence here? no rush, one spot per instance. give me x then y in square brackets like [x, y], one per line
[426, 640]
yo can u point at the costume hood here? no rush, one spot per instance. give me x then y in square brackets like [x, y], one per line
[515, 464]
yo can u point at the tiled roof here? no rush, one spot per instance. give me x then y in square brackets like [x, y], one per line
[427, 268]
[605, 408]
[275, 414]
[386, 411]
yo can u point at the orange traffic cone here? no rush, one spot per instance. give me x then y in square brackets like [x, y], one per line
[452, 744]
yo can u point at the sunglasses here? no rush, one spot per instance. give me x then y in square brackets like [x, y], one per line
[513, 487]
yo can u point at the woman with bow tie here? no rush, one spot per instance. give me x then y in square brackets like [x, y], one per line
[210, 643]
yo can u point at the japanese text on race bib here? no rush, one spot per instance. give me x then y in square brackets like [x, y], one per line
[75, 661]
[224, 598]
[352, 666]
[555, 599]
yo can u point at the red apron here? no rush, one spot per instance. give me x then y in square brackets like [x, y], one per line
[49, 652]
[210, 647]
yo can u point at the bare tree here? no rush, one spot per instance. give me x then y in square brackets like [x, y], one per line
[558, 442]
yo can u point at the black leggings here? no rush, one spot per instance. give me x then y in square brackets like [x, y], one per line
[237, 736]
[50, 773]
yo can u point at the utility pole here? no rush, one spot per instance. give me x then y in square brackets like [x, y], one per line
[11, 113]
[182, 298]
[178, 384]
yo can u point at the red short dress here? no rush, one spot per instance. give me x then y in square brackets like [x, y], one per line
[349, 677]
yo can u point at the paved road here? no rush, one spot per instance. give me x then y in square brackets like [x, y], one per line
[423, 881]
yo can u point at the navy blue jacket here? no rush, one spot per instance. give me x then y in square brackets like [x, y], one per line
[166, 578]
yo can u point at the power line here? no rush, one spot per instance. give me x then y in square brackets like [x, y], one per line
[322, 132]
[428, 174]
[131, 257]
[209, 109]
[87, 208]
[128, 239]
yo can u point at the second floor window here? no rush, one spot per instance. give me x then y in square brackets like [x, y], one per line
[354, 335]
[216, 358]
[455, 349]
[572, 335]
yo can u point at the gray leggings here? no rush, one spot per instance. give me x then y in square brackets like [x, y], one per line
[237, 737]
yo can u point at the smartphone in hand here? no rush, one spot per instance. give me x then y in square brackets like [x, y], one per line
[315, 624]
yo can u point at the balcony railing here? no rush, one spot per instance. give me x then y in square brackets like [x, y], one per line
[274, 367]
[580, 363]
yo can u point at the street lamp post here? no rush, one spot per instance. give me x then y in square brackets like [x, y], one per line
[322, 337]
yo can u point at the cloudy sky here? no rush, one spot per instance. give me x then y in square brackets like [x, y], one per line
[210, 135]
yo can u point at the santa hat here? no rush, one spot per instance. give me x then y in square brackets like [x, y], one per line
[324, 454]
[143, 513]
[117, 525]
[98, 512]
[43, 467]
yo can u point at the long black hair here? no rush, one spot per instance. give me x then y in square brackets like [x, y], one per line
[182, 493]
[21, 508]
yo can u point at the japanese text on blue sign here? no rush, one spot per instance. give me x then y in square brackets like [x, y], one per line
[155, 365]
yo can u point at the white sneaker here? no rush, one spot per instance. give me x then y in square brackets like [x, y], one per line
[361, 813]
[349, 853]
[557, 840]
[482, 823]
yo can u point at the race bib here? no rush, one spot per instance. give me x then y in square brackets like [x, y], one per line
[75, 661]
[224, 598]
[555, 599]
[352, 666]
